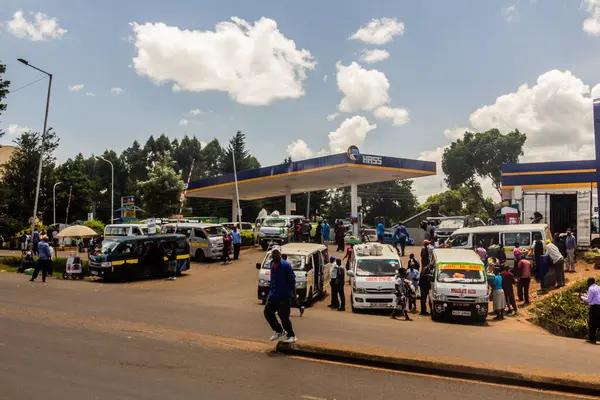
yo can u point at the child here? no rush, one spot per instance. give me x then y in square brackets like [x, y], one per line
[171, 255]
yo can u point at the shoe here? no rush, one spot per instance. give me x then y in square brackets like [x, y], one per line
[290, 340]
[302, 311]
[408, 319]
[174, 278]
[32, 280]
[277, 336]
[342, 309]
[425, 313]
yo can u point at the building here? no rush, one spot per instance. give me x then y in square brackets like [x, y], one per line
[5, 153]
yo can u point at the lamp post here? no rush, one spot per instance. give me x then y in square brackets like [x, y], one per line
[112, 187]
[54, 200]
[39, 178]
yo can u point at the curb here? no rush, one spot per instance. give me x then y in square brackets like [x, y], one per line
[513, 376]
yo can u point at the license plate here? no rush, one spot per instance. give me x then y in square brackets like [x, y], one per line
[379, 305]
[461, 313]
[94, 272]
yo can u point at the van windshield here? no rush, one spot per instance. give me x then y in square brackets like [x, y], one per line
[375, 267]
[451, 223]
[182, 231]
[296, 260]
[458, 273]
[108, 246]
[275, 222]
[213, 231]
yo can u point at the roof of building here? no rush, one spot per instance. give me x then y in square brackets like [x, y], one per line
[549, 174]
[327, 172]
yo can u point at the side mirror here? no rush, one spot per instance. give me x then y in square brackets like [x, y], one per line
[258, 265]
[350, 273]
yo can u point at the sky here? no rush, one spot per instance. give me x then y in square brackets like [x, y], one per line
[397, 78]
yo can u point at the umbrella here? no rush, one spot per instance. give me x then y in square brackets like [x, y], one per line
[77, 231]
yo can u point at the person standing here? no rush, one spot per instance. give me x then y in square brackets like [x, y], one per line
[332, 278]
[425, 259]
[35, 240]
[380, 232]
[570, 244]
[517, 254]
[413, 261]
[319, 233]
[339, 283]
[236, 240]
[226, 249]
[44, 260]
[593, 299]
[558, 263]
[339, 235]
[1, 241]
[305, 229]
[498, 295]
[538, 251]
[413, 276]
[508, 280]
[326, 233]
[524, 277]
[281, 289]
[425, 286]
[403, 288]
[171, 255]
[23, 243]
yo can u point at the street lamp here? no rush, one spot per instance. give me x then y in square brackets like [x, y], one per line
[112, 187]
[54, 200]
[39, 178]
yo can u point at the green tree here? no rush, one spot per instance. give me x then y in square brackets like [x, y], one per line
[97, 226]
[4, 85]
[243, 159]
[393, 200]
[135, 160]
[73, 176]
[338, 203]
[212, 155]
[19, 176]
[186, 151]
[460, 202]
[160, 194]
[481, 155]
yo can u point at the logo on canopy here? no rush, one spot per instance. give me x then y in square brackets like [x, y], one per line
[353, 153]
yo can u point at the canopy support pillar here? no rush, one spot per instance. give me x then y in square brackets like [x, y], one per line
[354, 208]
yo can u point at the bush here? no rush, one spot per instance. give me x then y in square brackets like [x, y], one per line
[247, 238]
[564, 313]
[97, 226]
[59, 264]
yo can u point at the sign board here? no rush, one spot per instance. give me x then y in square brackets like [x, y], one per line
[583, 218]
[151, 224]
[127, 200]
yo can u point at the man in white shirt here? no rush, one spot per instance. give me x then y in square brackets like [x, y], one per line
[558, 262]
[332, 276]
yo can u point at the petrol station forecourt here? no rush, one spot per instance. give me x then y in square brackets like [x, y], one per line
[334, 171]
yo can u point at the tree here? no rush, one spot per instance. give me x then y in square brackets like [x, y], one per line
[460, 202]
[160, 194]
[394, 200]
[19, 175]
[481, 155]
[243, 160]
[4, 85]
[135, 160]
[212, 155]
[74, 178]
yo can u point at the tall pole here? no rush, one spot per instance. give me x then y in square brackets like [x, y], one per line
[237, 191]
[54, 200]
[68, 205]
[308, 207]
[184, 195]
[112, 188]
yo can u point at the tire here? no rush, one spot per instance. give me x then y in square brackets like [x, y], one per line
[596, 243]
[199, 256]
[310, 298]
[81, 276]
[264, 247]
[65, 275]
[263, 301]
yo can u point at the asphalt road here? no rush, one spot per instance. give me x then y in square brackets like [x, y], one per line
[50, 361]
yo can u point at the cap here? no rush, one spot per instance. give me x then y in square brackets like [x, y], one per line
[276, 249]
[331, 259]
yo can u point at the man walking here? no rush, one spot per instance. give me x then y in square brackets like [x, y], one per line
[281, 289]
[339, 283]
[44, 260]
[593, 299]
[570, 244]
[425, 286]
[236, 240]
[401, 236]
[326, 233]
[332, 278]
[558, 263]
[413, 276]
[524, 277]
[425, 259]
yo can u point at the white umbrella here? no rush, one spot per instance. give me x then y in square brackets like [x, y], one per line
[76, 231]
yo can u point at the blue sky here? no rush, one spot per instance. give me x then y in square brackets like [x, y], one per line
[453, 58]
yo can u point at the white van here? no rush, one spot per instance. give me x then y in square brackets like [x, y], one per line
[506, 235]
[372, 277]
[277, 229]
[308, 261]
[119, 230]
[459, 286]
[206, 240]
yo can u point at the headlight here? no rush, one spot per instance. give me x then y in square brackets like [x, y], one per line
[262, 234]
[483, 299]
[438, 297]
[283, 235]
[262, 282]
[301, 285]
[360, 290]
[106, 264]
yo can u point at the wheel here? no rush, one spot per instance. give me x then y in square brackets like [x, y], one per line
[81, 276]
[596, 243]
[264, 301]
[74, 277]
[310, 298]
[264, 247]
[65, 275]
[200, 257]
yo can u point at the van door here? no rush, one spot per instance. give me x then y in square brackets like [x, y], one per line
[199, 243]
[318, 263]
[310, 276]
[510, 238]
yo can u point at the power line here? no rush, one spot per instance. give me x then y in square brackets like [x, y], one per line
[29, 84]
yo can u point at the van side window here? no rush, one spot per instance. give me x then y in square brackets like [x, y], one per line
[460, 240]
[199, 233]
[488, 239]
[309, 264]
[523, 238]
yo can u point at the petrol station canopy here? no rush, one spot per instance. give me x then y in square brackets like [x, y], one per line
[327, 172]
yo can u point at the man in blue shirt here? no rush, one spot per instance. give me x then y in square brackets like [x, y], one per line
[570, 244]
[281, 289]
[236, 240]
[35, 240]
[401, 235]
[380, 232]
[44, 260]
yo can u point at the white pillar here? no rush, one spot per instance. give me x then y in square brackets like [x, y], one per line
[288, 202]
[354, 206]
[234, 211]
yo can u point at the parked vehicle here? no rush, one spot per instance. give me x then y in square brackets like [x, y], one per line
[308, 261]
[206, 240]
[119, 230]
[447, 225]
[242, 226]
[130, 257]
[372, 277]
[459, 285]
[277, 229]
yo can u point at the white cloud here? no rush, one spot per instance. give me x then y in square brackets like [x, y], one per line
[299, 150]
[42, 27]
[591, 25]
[596, 91]
[255, 63]
[362, 89]
[184, 122]
[195, 112]
[203, 143]
[379, 31]
[456, 133]
[399, 116]
[374, 55]
[76, 88]
[511, 13]
[15, 130]
[91, 94]
[117, 90]
[352, 131]
[333, 116]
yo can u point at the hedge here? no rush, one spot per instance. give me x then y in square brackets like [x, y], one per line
[59, 264]
[248, 238]
[564, 313]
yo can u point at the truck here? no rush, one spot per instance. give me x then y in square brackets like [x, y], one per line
[277, 229]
